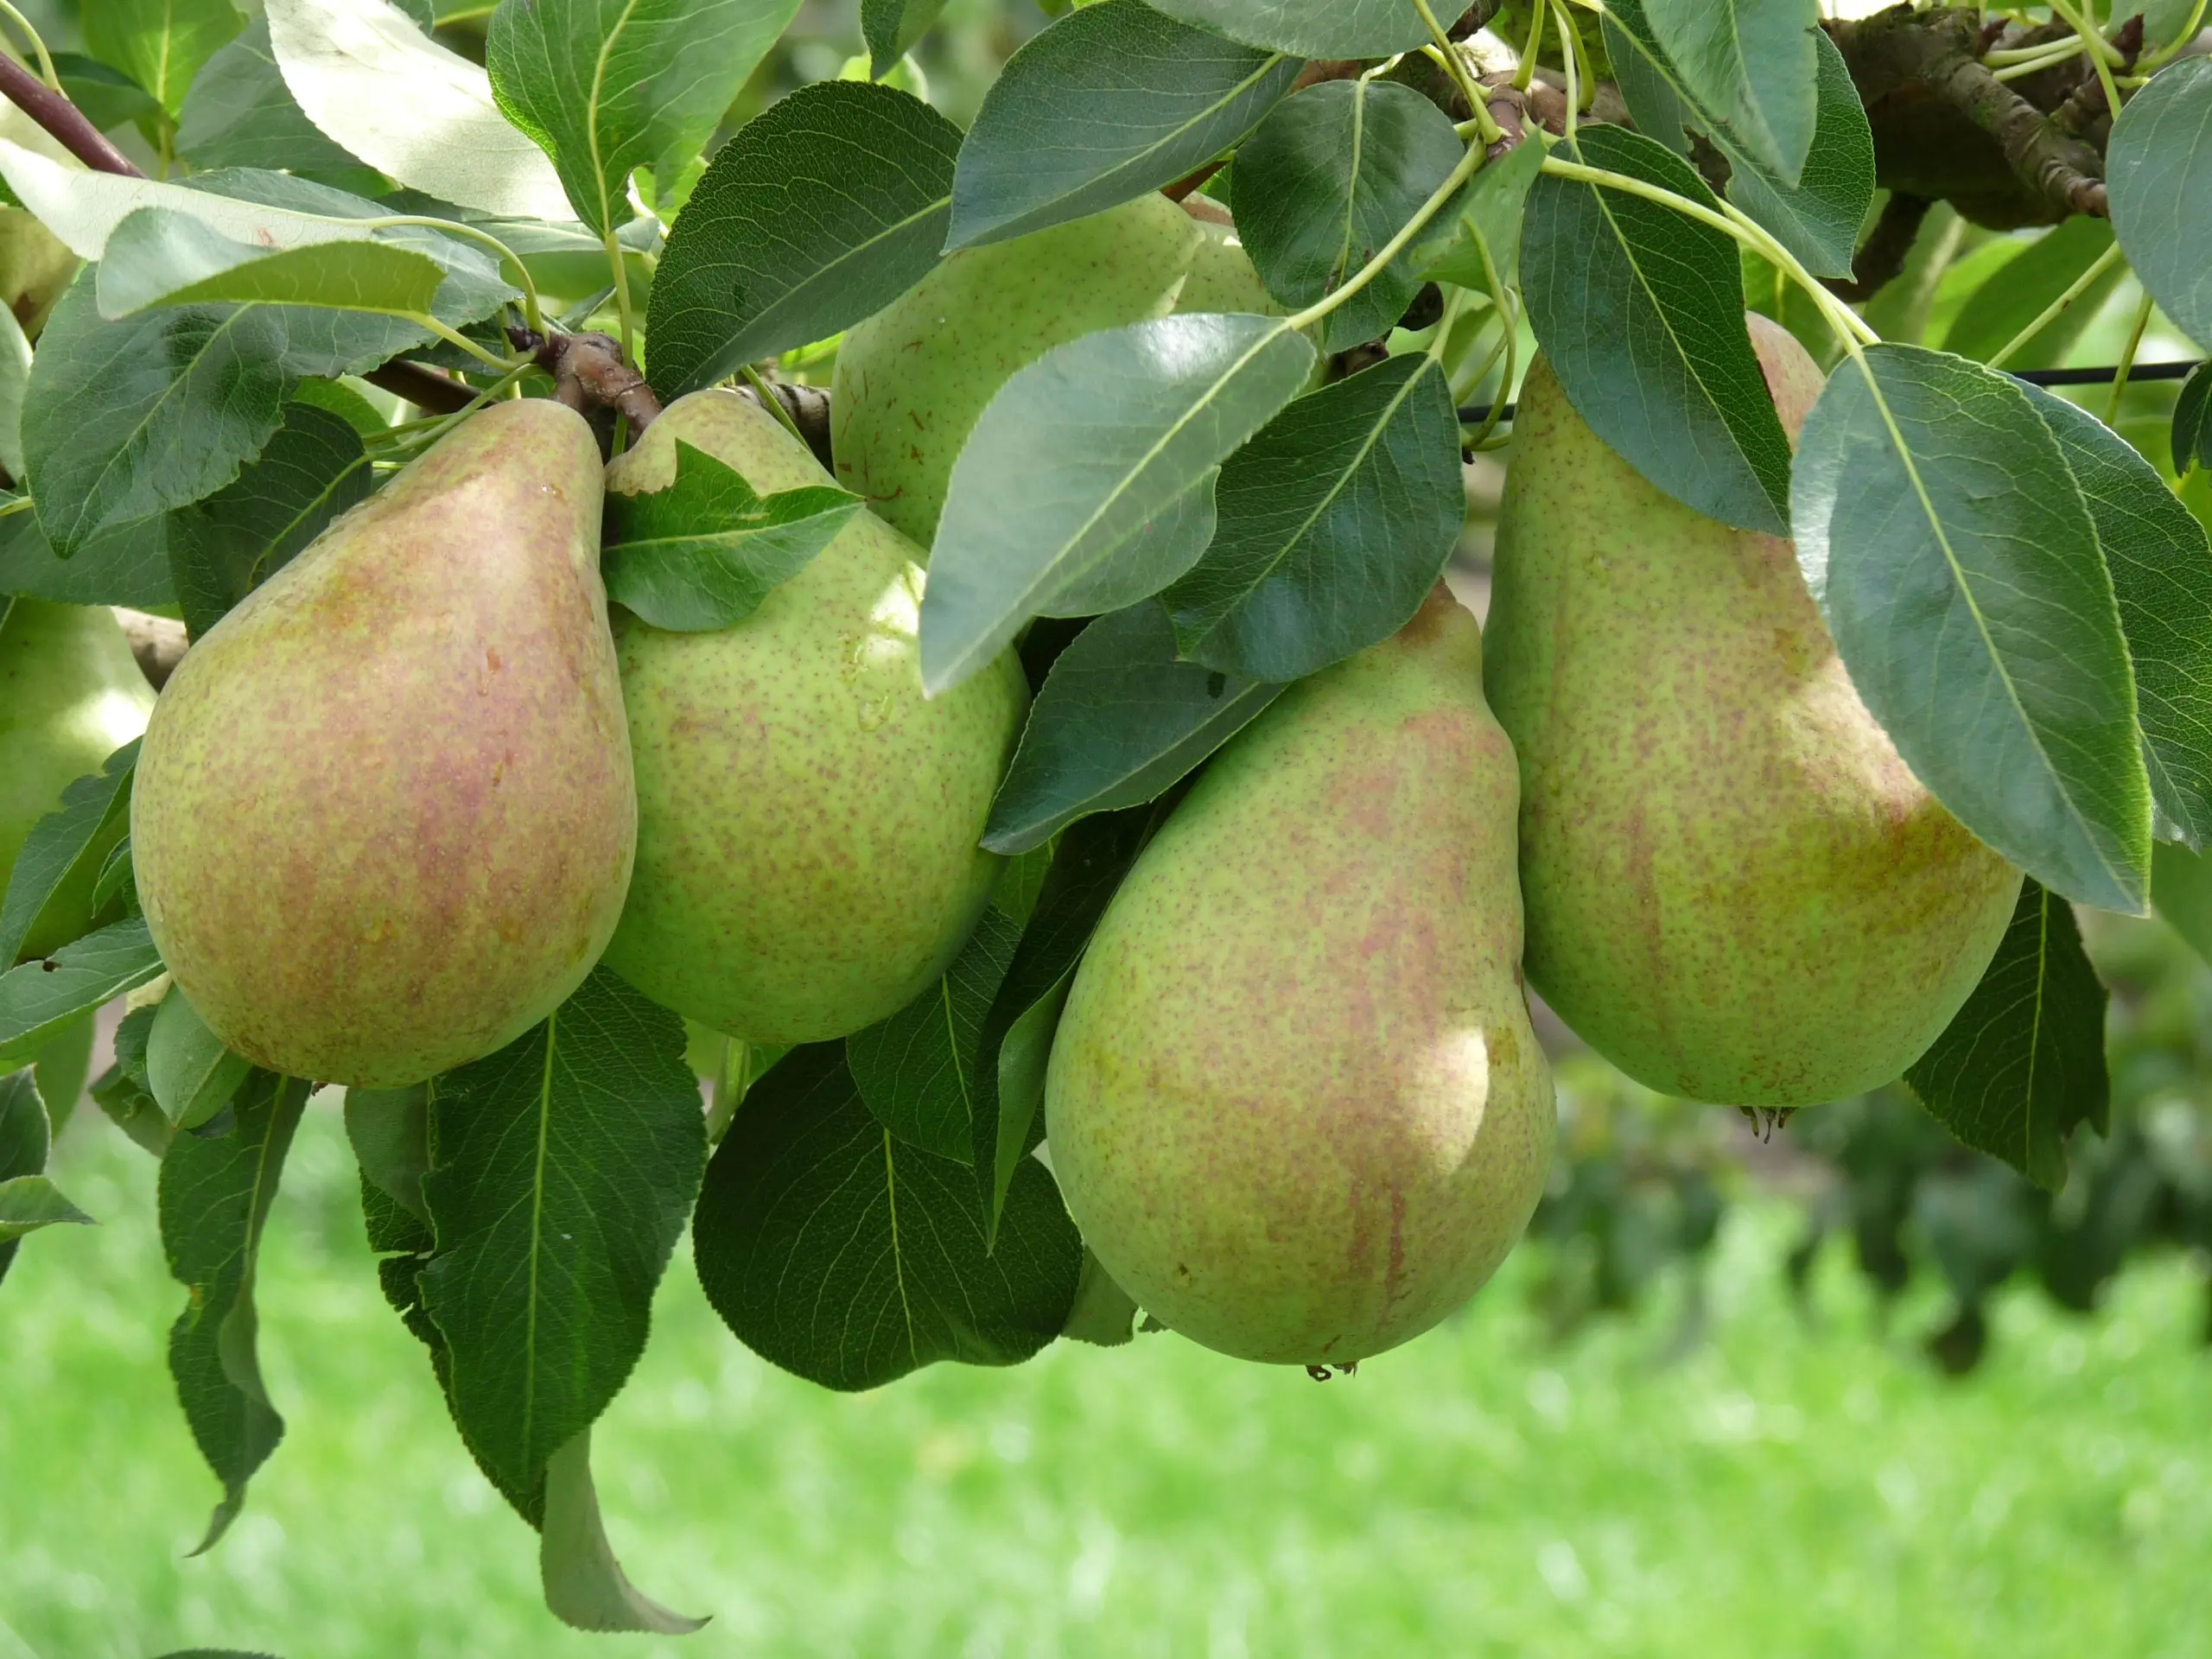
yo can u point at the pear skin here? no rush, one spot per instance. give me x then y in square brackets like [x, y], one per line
[1294, 1103]
[913, 380]
[384, 817]
[807, 857]
[1736, 890]
[71, 695]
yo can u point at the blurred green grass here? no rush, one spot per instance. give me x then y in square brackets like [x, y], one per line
[1806, 1489]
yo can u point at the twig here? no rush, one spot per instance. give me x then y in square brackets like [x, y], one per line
[589, 372]
[1882, 256]
[425, 388]
[62, 120]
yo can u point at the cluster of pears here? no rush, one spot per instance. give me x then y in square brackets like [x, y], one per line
[391, 811]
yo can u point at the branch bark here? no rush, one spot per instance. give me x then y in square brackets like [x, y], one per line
[63, 120]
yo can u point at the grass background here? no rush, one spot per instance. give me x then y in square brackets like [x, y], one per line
[1788, 1486]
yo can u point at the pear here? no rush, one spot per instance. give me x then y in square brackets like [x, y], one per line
[71, 695]
[1737, 892]
[384, 817]
[1294, 1103]
[913, 380]
[807, 857]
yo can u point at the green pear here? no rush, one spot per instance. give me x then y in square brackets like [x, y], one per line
[807, 857]
[1737, 892]
[70, 696]
[1294, 1103]
[384, 816]
[913, 380]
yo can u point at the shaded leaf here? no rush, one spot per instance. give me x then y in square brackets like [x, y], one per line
[1491, 205]
[891, 27]
[192, 1075]
[840, 1252]
[2193, 421]
[1640, 312]
[1331, 526]
[1088, 865]
[240, 113]
[1751, 63]
[31, 1202]
[26, 1137]
[1088, 481]
[2161, 567]
[214, 1196]
[2158, 173]
[109, 98]
[1312, 28]
[1118, 719]
[917, 1069]
[821, 211]
[313, 468]
[1109, 102]
[2181, 893]
[1328, 178]
[1104, 1315]
[367, 74]
[606, 86]
[42, 995]
[390, 1132]
[703, 553]
[576, 1150]
[1956, 563]
[2023, 1064]
[128, 564]
[60, 859]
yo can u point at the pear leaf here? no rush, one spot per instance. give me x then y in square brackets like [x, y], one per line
[2022, 1065]
[240, 113]
[1111, 101]
[1310, 28]
[1751, 63]
[1087, 484]
[93, 815]
[606, 89]
[192, 1075]
[2158, 172]
[2193, 421]
[1951, 551]
[160, 44]
[156, 256]
[838, 1251]
[585, 1587]
[1117, 721]
[214, 1195]
[820, 210]
[41, 996]
[893, 28]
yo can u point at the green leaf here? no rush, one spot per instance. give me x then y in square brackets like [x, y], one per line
[26, 1137]
[312, 469]
[390, 1131]
[1312, 28]
[2023, 1063]
[62, 1067]
[1088, 864]
[2158, 175]
[1818, 218]
[1957, 565]
[837, 1250]
[917, 1069]
[14, 376]
[1640, 312]
[160, 44]
[367, 74]
[214, 1196]
[2161, 566]
[61, 858]
[192, 1075]
[584, 1585]
[120, 1092]
[43, 995]
[1088, 483]
[1104, 1314]
[821, 211]
[1109, 102]
[1328, 179]
[562, 1168]
[1486, 213]
[157, 257]
[2016, 293]
[606, 86]
[128, 564]
[31, 1202]
[108, 98]
[1751, 63]
[2193, 421]
[1118, 719]
[2181, 893]
[892, 28]
[239, 113]
[1331, 526]
[703, 553]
